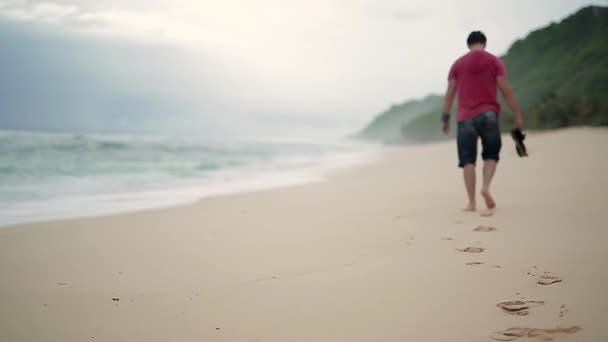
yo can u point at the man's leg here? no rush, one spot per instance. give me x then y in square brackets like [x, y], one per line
[467, 155]
[491, 141]
[489, 168]
[469, 182]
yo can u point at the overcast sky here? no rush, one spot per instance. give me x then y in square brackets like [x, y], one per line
[348, 59]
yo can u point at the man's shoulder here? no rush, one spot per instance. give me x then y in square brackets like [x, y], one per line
[460, 60]
[489, 55]
[481, 57]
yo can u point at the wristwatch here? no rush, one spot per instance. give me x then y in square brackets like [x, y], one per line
[445, 117]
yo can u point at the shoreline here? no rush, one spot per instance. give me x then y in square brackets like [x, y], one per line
[375, 253]
[241, 180]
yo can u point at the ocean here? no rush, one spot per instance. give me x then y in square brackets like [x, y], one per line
[48, 176]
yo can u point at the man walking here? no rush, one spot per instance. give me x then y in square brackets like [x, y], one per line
[476, 77]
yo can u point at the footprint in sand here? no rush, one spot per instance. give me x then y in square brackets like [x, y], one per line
[562, 310]
[548, 279]
[477, 263]
[518, 307]
[485, 229]
[471, 249]
[513, 334]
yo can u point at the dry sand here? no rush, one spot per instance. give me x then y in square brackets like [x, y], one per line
[369, 255]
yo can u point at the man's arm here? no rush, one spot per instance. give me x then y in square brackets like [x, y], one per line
[507, 93]
[447, 103]
[449, 96]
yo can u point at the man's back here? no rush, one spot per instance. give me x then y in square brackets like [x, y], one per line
[475, 74]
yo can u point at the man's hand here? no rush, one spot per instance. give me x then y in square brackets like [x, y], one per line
[445, 123]
[447, 104]
[519, 122]
[445, 127]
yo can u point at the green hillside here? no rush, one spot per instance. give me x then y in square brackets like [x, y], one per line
[559, 74]
[387, 126]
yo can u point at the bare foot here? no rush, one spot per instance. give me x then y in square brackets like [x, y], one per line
[488, 198]
[469, 208]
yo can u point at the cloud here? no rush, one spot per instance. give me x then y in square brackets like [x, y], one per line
[409, 15]
[116, 22]
[144, 26]
[49, 9]
[330, 56]
[44, 11]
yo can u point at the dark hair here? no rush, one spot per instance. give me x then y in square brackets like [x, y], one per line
[476, 37]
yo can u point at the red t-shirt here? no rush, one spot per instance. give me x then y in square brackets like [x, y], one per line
[475, 74]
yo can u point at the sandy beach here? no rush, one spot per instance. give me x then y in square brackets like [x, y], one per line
[378, 252]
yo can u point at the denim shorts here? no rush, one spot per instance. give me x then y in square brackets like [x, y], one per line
[484, 126]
